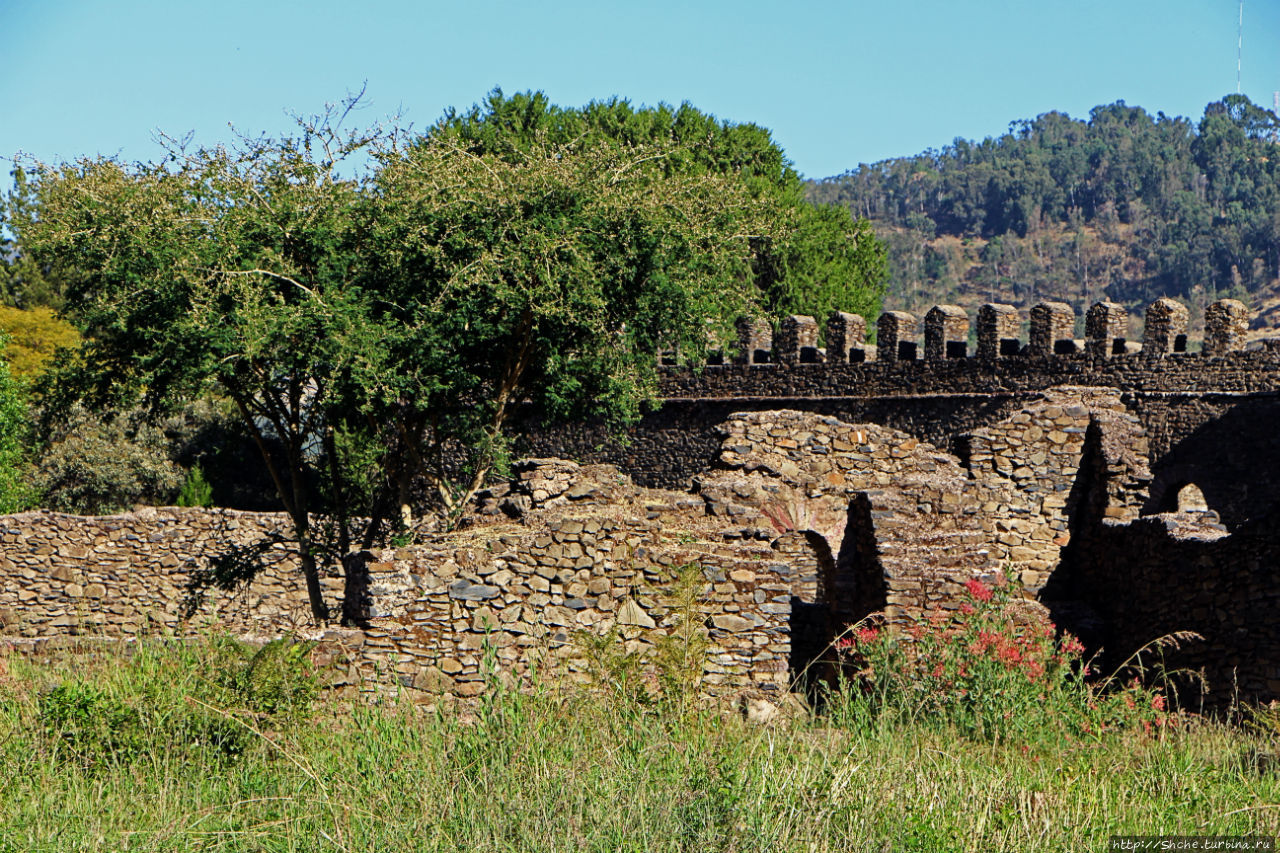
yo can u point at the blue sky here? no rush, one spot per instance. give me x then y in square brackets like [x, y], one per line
[837, 83]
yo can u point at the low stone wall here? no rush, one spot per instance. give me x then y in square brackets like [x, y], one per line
[134, 573]
[547, 597]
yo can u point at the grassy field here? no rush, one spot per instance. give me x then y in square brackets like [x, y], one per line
[207, 746]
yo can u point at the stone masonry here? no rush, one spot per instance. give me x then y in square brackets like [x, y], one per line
[801, 488]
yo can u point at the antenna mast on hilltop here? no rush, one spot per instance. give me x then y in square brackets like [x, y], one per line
[1239, 45]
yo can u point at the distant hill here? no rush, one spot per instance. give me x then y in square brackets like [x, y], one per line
[1125, 206]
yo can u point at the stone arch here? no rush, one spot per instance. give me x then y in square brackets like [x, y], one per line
[809, 555]
[1181, 495]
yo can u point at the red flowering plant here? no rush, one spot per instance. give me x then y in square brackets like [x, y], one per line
[992, 666]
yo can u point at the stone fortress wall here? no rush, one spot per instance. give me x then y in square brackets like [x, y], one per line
[813, 488]
[1206, 415]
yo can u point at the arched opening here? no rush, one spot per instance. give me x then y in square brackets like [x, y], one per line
[811, 561]
[1191, 499]
[1182, 496]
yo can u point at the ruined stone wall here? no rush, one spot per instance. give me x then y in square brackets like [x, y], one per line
[1175, 398]
[1227, 445]
[944, 395]
[1160, 575]
[591, 555]
[534, 597]
[125, 575]
[669, 448]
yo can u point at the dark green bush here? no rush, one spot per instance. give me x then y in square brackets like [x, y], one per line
[93, 729]
[199, 702]
[91, 726]
[99, 464]
[276, 681]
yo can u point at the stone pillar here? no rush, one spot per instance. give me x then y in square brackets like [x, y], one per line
[1052, 328]
[1165, 328]
[1106, 326]
[896, 336]
[946, 333]
[1225, 324]
[846, 337]
[997, 331]
[797, 340]
[755, 341]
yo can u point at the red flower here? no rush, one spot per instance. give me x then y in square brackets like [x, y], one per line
[867, 634]
[1071, 644]
[1157, 702]
[966, 608]
[986, 639]
[979, 590]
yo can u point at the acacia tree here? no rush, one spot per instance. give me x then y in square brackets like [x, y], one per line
[818, 258]
[219, 268]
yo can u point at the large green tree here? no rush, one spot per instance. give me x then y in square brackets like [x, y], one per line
[548, 274]
[820, 259]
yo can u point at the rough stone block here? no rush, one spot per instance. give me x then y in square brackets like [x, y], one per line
[846, 338]
[755, 341]
[1052, 328]
[997, 331]
[1165, 327]
[896, 333]
[797, 341]
[946, 333]
[1106, 326]
[1226, 323]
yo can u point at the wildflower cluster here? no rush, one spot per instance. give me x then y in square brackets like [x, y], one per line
[990, 668]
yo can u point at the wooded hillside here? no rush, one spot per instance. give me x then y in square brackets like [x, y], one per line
[1125, 205]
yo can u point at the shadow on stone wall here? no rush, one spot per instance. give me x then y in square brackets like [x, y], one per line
[1123, 586]
[1229, 457]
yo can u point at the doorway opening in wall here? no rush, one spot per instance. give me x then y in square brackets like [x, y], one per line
[1190, 498]
[1183, 497]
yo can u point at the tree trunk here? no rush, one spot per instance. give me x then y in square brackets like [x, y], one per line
[404, 481]
[310, 571]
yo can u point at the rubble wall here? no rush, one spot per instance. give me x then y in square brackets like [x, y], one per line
[131, 574]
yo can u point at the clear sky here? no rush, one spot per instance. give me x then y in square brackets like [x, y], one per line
[838, 83]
